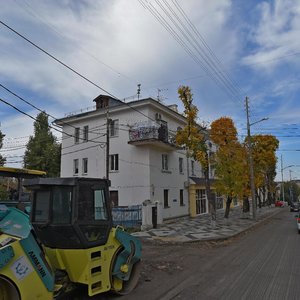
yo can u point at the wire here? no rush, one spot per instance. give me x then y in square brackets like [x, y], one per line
[83, 77]
[31, 117]
[79, 150]
[56, 59]
[35, 107]
[215, 74]
[34, 14]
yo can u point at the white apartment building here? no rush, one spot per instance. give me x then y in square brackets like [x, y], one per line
[145, 166]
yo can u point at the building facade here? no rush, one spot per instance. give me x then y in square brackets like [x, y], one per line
[143, 163]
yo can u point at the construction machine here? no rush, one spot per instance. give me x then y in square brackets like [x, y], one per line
[67, 243]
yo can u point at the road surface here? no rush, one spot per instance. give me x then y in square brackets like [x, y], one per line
[263, 263]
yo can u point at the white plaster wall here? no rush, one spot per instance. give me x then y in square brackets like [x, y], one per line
[140, 176]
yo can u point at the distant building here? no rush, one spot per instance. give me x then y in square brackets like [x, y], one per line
[144, 164]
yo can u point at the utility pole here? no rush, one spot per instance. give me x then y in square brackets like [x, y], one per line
[252, 184]
[107, 143]
[282, 183]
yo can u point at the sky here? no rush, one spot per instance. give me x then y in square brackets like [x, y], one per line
[224, 50]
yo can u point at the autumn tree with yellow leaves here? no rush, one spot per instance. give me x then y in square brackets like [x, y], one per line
[194, 138]
[230, 161]
[264, 159]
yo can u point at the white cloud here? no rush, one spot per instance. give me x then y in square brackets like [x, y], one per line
[276, 34]
[116, 44]
[120, 34]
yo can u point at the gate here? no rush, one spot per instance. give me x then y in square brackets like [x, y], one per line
[128, 216]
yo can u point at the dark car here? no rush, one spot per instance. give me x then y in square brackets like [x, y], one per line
[294, 206]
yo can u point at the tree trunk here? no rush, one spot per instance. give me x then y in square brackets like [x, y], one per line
[257, 196]
[269, 198]
[210, 198]
[246, 204]
[264, 191]
[227, 209]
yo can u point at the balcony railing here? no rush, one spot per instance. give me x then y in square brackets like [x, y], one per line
[149, 133]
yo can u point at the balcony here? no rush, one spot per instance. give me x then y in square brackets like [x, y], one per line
[152, 134]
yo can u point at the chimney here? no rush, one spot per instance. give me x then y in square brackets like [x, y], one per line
[173, 107]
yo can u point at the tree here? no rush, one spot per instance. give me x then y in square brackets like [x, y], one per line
[2, 159]
[292, 191]
[43, 151]
[230, 161]
[264, 157]
[194, 138]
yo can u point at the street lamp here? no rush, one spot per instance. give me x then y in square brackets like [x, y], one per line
[282, 182]
[263, 119]
[252, 183]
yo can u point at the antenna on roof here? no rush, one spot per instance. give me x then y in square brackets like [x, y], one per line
[138, 90]
[159, 97]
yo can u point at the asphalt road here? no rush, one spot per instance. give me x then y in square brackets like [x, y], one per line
[263, 263]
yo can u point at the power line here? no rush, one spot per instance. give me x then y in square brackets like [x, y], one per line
[79, 150]
[56, 59]
[31, 117]
[33, 106]
[209, 58]
[34, 14]
[208, 65]
[44, 51]
[71, 69]
[210, 51]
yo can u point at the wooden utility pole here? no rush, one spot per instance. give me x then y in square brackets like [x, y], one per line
[252, 184]
[107, 143]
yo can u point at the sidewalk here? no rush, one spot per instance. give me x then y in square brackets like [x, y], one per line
[188, 229]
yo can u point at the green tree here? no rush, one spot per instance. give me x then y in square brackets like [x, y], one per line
[43, 151]
[194, 138]
[291, 191]
[2, 159]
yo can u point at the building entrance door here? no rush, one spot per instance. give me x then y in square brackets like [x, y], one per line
[201, 202]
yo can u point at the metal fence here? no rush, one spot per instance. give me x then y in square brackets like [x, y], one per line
[128, 217]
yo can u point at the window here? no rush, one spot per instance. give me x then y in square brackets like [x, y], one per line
[193, 167]
[99, 205]
[76, 135]
[90, 211]
[166, 198]
[180, 165]
[181, 197]
[42, 206]
[164, 160]
[114, 128]
[103, 103]
[84, 166]
[114, 162]
[62, 205]
[75, 166]
[114, 198]
[201, 201]
[85, 133]
[92, 214]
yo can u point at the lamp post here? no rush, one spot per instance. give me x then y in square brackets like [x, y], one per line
[282, 182]
[252, 183]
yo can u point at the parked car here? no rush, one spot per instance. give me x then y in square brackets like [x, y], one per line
[298, 222]
[294, 206]
[279, 204]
